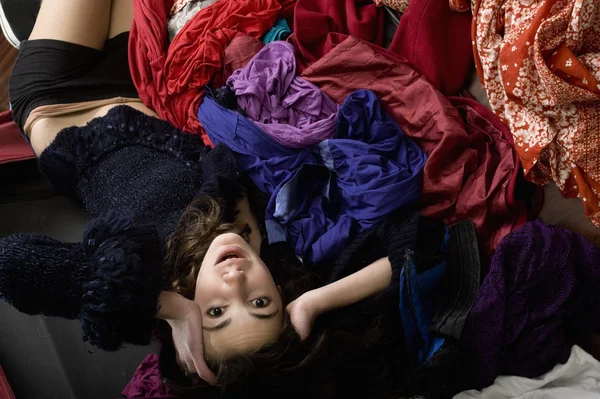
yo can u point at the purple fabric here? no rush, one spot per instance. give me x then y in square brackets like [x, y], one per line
[543, 283]
[147, 382]
[322, 196]
[292, 110]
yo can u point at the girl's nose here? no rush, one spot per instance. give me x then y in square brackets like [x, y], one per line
[234, 275]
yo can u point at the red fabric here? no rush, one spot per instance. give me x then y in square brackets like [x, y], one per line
[472, 166]
[315, 19]
[239, 53]
[12, 145]
[437, 42]
[5, 391]
[171, 80]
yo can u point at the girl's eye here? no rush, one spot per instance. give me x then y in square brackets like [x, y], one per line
[215, 312]
[261, 302]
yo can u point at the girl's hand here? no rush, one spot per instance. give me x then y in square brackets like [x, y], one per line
[303, 314]
[186, 328]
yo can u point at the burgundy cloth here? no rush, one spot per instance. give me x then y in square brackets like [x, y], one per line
[239, 53]
[146, 381]
[5, 391]
[436, 41]
[543, 287]
[12, 145]
[314, 20]
[470, 172]
[171, 80]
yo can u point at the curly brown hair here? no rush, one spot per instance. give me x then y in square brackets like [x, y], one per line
[319, 367]
[186, 247]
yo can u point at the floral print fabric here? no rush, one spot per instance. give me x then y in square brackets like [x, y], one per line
[539, 61]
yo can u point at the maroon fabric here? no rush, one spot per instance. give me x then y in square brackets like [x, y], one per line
[5, 391]
[470, 171]
[12, 145]
[314, 20]
[171, 79]
[239, 53]
[437, 42]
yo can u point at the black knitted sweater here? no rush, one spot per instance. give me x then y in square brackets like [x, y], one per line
[135, 174]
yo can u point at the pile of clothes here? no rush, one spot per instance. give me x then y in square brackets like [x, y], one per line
[339, 132]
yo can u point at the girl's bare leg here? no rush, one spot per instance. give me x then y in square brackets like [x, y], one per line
[83, 22]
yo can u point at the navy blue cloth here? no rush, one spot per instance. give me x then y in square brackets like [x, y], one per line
[323, 195]
[418, 300]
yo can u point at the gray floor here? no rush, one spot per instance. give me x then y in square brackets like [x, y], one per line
[45, 357]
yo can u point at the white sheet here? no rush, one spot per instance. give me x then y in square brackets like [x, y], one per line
[579, 378]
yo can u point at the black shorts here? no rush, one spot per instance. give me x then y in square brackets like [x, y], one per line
[49, 72]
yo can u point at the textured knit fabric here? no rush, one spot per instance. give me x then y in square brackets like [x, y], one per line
[135, 174]
[472, 167]
[543, 283]
[279, 31]
[293, 111]
[160, 169]
[171, 79]
[111, 282]
[326, 194]
[579, 378]
[542, 77]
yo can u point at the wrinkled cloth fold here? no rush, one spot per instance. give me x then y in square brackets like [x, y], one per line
[147, 381]
[542, 77]
[542, 288]
[472, 167]
[422, 38]
[326, 194]
[293, 111]
[280, 31]
[187, 11]
[436, 41]
[315, 21]
[239, 53]
[579, 378]
[171, 80]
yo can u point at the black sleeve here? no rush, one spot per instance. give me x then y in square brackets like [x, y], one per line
[111, 281]
[224, 182]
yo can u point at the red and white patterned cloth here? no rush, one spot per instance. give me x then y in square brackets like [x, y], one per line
[539, 61]
[178, 5]
[402, 5]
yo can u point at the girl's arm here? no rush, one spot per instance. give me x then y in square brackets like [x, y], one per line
[366, 282]
[363, 284]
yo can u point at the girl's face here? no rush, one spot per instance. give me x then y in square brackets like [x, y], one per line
[241, 306]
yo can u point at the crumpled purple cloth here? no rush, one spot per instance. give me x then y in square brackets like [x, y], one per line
[147, 381]
[292, 110]
[543, 283]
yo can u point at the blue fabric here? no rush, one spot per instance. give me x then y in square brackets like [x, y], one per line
[325, 194]
[418, 304]
[280, 31]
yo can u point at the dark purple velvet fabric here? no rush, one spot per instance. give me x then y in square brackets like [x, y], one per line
[543, 284]
[147, 382]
